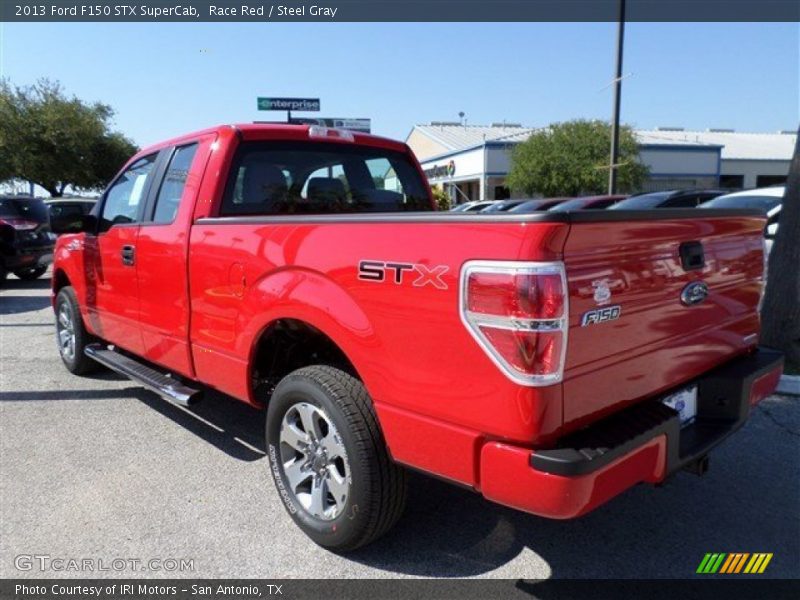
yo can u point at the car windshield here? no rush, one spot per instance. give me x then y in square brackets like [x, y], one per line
[529, 205]
[764, 203]
[644, 201]
[275, 178]
[31, 209]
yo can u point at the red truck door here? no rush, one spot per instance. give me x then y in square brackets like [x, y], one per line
[112, 286]
[162, 250]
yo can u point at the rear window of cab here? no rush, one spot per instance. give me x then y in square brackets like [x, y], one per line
[282, 178]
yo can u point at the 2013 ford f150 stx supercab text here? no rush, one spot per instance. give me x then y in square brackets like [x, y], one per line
[548, 361]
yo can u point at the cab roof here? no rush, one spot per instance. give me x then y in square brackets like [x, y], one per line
[280, 131]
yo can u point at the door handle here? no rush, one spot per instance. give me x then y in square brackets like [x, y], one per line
[128, 253]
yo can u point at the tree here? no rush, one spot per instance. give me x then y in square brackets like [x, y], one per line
[780, 313]
[56, 141]
[571, 158]
[440, 197]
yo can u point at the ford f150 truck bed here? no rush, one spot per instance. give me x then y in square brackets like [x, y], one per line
[549, 361]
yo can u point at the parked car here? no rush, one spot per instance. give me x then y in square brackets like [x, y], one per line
[502, 206]
[536, 360]
[768, 200]
[26, 242]
[668, 199]
[537, 204]
[479, 206]
[587, 202]
[464, 206]
[63, 212]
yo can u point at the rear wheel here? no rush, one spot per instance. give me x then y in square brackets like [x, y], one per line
[329, 460]
[31, 273]
[71, 335]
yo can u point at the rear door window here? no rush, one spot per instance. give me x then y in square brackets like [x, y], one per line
[277, 178]
[169, 195]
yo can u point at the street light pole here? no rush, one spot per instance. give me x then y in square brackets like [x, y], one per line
[612, 171]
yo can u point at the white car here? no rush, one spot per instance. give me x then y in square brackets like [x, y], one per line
[768, 199]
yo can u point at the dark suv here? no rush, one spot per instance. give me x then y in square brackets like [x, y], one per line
[26, 242]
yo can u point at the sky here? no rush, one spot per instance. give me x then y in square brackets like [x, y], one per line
[165, 79]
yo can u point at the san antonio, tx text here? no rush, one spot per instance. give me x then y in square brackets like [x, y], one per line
[98, 591]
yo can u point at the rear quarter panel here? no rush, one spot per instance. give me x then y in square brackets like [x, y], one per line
[407, 343]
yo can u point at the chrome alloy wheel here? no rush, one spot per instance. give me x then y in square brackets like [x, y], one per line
[65, 328]
[314, 461]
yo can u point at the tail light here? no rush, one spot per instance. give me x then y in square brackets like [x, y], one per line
[765, 262]
[517, 312]
[19, 224]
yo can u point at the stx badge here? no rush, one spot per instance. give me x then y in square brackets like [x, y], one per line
[601, 315]
[379, 271]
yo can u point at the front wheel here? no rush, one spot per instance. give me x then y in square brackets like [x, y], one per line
[71, 335]
[329, 460]
[31, 273]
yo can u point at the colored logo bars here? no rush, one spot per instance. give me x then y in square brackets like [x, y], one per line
[737, 562]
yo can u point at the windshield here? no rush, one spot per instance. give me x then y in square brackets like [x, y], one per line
[276, 178]
[31, 209]
[644, 201]
[529, 205]
[763, 203]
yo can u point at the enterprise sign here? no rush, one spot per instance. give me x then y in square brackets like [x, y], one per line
[439, 171]
[288, 104]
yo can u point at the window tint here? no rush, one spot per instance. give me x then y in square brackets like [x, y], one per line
[274, 178]
[126, 194]
[688, 201]
[169, 196]
[765, 203]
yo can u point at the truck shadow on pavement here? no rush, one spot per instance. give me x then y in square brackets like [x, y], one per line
[741, 505]
[19, 284]
[15, 305]
[231, 426]
[746, 503]
[647, 532]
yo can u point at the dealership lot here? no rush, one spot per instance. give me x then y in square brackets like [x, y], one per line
[98, 468]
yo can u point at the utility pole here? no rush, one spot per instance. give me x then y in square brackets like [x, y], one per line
[612, 171]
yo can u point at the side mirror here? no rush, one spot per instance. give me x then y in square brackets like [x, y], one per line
[74, 224]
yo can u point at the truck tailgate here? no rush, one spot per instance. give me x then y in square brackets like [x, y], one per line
[650, 339]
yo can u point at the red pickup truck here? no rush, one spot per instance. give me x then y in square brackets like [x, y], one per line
[548, 361]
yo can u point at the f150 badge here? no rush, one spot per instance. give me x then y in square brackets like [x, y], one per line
[601, 315]
[380, 271]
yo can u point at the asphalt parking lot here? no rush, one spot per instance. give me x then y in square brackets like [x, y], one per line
[98, 468]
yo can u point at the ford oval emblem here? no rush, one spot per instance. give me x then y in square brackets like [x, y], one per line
[694, 293]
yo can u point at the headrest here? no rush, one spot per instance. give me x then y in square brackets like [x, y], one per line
[262, 183]
[326, 189]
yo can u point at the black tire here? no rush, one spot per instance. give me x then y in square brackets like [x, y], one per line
[3, 274]
[76, 361]
[376, 494]
[31, 273]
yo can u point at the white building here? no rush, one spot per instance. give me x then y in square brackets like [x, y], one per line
[472, 161]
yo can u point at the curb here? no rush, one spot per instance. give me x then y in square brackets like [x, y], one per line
[789, 385]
